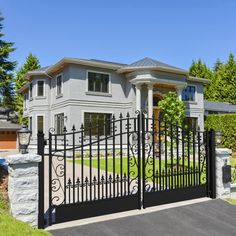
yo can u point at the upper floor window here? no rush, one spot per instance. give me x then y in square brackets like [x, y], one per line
[40, 90]
[59, 84]
[98, 82]
[189, 93]
[31, 90]
[59, 123]
[25, 100]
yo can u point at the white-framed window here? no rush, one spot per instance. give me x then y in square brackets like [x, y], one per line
[59, 84]
[189, 93]
[30, 124]
[191, 122]
[40, 123]
[97, 120]
[59, 123]
[98, 82]
[40, 88]
[31, 90]
[25, 101]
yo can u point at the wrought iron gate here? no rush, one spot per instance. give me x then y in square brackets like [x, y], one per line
[115, 165]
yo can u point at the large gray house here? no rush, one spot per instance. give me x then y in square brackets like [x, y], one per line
[73, 91]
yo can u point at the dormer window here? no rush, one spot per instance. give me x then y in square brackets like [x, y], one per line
[40, 88]
[98, 82]
[189, 93]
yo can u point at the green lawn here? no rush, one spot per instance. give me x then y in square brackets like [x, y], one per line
[133, 168]
[9, 226]
[233, 161]
[231, 200]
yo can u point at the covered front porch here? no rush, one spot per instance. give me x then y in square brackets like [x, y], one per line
[151, 89]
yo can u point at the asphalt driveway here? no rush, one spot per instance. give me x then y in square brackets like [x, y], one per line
[209, 218]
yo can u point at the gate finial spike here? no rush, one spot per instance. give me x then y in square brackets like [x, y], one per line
[73, 128]
[64, 129]
[121, 116]
[82, 126]
[128, 115]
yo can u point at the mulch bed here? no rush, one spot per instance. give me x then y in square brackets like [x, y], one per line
[3, 182]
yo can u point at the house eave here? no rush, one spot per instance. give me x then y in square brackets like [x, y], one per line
[152, 68]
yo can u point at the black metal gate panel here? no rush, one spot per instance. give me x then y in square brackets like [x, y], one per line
[174, 161]
[113, 165]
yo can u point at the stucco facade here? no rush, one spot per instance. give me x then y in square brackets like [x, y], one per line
[131, 87]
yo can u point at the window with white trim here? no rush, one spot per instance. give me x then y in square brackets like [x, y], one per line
[31, 90]
[98, 82]
[30, 123]
[97, 121]
[59, 123]
[191, 122]
[189, 93]
[40, 124]
[25, 100]
[40, 88]
[59, 84]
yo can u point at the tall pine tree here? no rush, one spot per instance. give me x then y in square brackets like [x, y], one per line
[6, 71]
[31, 63]
[199, 69]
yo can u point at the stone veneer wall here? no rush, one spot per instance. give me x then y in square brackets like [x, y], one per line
[23, 187]
[222, 158]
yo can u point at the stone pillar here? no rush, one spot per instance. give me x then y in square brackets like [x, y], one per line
[23, 187]
[222, 158]
[138, 97]
[150, 100]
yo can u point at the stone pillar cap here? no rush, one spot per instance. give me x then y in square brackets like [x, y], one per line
[222, 151]
[23, 158]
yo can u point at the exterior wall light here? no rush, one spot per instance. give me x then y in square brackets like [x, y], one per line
[24, 136]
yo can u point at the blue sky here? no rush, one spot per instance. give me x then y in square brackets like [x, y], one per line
[171, 31]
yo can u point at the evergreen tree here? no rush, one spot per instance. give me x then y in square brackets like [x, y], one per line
[199, 69]
[6, 71]
[31, 63]
[225, 81]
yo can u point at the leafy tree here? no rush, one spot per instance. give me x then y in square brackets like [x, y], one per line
[172, 108]
[6, 70]
[31, 63]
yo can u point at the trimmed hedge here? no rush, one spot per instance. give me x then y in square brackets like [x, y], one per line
[226, 123]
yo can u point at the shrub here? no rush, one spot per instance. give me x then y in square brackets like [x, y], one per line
[225, 123]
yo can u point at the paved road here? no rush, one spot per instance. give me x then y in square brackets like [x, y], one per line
[215, 217]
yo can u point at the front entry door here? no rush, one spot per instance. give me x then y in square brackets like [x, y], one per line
[156, 112]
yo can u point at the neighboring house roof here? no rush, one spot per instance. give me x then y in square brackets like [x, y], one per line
[42, 69]
[149, 63]
[4, 110]
[196, 79]
[223, 107]
[5, 125]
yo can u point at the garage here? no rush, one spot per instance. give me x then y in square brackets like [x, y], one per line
[8, 135]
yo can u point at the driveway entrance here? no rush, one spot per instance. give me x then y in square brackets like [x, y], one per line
[211, 218]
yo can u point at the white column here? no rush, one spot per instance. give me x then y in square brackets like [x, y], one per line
[179, 92]
[138, 97]
[150, 100]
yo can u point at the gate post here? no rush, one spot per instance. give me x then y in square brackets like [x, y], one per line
[40, 151]
[211, 164]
